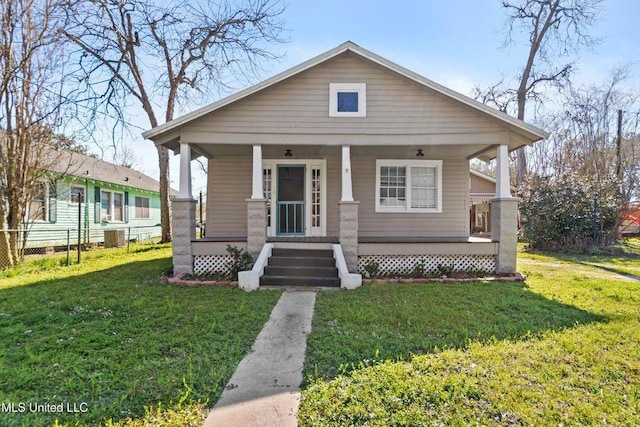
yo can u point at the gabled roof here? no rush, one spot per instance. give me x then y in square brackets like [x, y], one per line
[528, 131]
[87, 167]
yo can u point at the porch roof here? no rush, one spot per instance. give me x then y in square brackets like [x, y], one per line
[517, 133]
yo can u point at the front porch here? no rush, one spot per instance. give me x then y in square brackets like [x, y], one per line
[329, 216]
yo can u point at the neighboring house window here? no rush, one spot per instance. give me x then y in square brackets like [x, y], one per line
[43, 204]
[77, 195]
[347, 100]
[39, 206]
[408, 186]
[142, 208]
[111, 206]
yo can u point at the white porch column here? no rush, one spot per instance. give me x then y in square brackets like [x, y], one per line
[184, 191]
[503, 186]
[347, 191]
[256, 180]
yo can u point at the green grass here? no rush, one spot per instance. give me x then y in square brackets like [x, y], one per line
[110, 333]
[561, 350]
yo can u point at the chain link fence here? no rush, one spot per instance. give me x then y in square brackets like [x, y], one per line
[15, 245]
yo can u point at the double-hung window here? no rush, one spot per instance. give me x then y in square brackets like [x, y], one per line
[39, 206]
[142, 208]
[111, 206]
[76, 194]
[408, 185]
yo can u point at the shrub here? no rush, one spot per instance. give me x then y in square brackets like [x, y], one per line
[567, 213]
[372, 268]
[240, 261]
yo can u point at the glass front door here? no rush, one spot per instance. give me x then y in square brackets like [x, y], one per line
[291, 201]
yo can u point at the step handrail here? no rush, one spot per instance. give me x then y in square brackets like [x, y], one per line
[250, 280]
[347, 280]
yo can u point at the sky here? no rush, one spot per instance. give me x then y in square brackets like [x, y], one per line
[457, 43]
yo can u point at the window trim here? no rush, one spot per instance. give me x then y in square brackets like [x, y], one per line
[135, 207]
[408, 164]
[359, 88]
[112, 207]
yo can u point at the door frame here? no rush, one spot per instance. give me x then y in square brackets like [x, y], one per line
[309, 165]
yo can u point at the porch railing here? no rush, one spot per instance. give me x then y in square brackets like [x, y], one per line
[291, 218]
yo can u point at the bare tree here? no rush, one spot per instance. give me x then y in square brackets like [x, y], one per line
[584, 142]
[556, 30]
[161, 56]
[30, 109]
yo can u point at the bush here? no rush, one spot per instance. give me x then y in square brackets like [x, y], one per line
[566, 213]
[240, 261]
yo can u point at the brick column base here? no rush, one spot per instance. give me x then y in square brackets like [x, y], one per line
[504, 230]
[256, 226]
[349, 234]
[184, 230]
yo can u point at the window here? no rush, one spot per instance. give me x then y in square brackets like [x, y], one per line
[76, 195]
[111, 206]
[408, 186]
[347, 100]
[39, 206]
[266, 189]
[142, 208]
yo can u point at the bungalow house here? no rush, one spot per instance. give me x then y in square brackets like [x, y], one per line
[96, 196]
[350, 154]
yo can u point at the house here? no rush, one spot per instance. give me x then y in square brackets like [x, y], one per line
[95, 195]
[631, 223]
[482, 190]
[351, 153]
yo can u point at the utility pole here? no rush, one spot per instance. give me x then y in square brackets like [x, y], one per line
[618, 149]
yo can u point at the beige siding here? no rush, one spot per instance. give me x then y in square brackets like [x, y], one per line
[229, 185]
[482, 186]
[452, 222]
[299, 106]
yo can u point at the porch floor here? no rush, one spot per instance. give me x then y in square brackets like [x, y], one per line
[418, 239]
[362, 239]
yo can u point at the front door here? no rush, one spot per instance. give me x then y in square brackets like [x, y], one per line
[290, 202]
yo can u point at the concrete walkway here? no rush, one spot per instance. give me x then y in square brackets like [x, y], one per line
[265, 388]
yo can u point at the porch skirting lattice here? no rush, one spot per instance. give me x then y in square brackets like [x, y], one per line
[404, 265]
[208, 264]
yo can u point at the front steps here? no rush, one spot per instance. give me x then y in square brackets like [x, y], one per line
[301, 267]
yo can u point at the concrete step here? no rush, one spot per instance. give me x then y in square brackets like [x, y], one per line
[292, 270]
[299, 281]
[302, 261]
[297, 253]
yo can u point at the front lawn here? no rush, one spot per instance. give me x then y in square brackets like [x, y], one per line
[561, 349]
[112, 340]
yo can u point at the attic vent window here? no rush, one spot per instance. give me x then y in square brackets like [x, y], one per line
[347, 100]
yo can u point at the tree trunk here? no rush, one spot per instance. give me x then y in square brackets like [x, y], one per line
[165, 209]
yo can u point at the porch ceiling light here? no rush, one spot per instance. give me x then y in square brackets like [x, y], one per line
[419, 153]
[288, 153]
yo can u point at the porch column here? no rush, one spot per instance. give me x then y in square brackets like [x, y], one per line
[503, 185]
[183, 210]
[184, 191]
[256, 208]
[347, 191]
[348, 215]
[504, 217]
